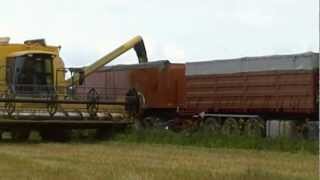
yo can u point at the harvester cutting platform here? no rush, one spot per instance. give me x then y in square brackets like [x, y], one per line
[36, 95]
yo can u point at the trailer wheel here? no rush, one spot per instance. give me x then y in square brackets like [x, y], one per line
[152, 122]
[301, 129]
[138, 125]
[231, 127]
[20, 134]
[254, 127]
[212, 125]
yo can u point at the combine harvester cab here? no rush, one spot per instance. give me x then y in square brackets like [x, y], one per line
[35, 94]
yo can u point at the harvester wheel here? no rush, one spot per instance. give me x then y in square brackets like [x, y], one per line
[230, 127]
[104, 133]
[254, 127]
[212, 125]
[20, 134]
[56, 135]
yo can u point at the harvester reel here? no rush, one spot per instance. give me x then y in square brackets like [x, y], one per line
[93, 97]
[52, 106]
[92, 109]
[10, 106]
[134, 102]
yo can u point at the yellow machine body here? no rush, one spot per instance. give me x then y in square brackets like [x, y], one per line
[10, 51]
[35, 63]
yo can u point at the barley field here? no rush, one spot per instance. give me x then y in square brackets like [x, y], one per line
[118, 160]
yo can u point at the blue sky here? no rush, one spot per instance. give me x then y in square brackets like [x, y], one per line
[177, 30]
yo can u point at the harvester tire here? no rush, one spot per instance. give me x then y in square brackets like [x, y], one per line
[56, 135]
[104, 133]
[20, 134]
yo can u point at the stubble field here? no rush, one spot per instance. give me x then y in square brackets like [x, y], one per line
[118, 160]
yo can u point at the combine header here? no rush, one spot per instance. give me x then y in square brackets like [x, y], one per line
[35, 94]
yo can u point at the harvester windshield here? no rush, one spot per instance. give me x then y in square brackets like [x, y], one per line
[30, 74]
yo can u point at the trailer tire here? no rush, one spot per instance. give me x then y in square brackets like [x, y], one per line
[212, 125]
[138, 125]
[254, 127]
[231, 127]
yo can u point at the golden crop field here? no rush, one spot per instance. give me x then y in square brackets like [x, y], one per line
[112, 160]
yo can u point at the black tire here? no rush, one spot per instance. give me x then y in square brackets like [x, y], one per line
[56, 135]
[254, 127]
[153, 122]
[138, 125]
[20, 134]
[1, 135]
[212, 125]
[105, 133]
[231, 127]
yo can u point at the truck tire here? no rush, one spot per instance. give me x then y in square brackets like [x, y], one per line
[254, 127]
[231, 127]
[212, 125]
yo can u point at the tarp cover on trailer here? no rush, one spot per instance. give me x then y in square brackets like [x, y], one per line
[161, 64]
[304, 61]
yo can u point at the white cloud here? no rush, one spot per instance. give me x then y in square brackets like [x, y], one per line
[174, 53]
[175, 30]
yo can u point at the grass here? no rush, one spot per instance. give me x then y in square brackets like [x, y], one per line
[118, 160]
[201, 139]
[159, 154]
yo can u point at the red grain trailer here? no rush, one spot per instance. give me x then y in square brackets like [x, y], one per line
[251, 88]
[232, 95]
[160, 83]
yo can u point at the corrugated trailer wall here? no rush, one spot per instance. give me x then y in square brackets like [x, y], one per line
[286, 84]
[161, 87]
[160, 82]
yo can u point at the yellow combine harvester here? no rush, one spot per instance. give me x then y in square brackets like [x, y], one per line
[35, 94]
